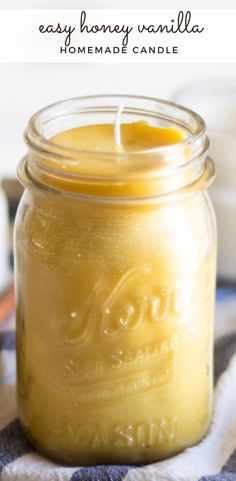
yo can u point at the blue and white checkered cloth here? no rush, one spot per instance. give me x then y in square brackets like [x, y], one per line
[214, 459]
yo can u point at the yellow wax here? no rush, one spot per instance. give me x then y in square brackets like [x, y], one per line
[115, 320]
[92, 153]
[134, 136]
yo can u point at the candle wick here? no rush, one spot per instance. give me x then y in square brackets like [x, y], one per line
[117, 129]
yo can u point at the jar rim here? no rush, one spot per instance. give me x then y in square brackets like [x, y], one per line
[36, 140]
[160, 168]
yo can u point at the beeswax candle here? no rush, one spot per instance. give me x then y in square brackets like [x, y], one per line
[115, 282]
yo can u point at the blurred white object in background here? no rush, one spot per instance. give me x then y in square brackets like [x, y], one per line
[4, 244]
[216, 103]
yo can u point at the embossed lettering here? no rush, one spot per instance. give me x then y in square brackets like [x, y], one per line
[121, 388]
[100, 438]
[132, 302]
[123, 435]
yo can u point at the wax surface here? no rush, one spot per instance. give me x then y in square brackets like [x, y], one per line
[95, 154]
[134, 136]
[114, 318]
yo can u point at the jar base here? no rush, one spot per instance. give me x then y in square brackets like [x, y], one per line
[126, 456]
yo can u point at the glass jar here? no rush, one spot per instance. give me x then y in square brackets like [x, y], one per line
[4, 241]
[115, 283]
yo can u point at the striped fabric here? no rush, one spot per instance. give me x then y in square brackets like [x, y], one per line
[214, 459]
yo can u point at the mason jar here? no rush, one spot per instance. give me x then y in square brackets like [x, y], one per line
[115, 258]
[4, 241]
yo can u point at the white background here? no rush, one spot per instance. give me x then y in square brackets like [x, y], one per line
[22, 41]
[117, 4]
